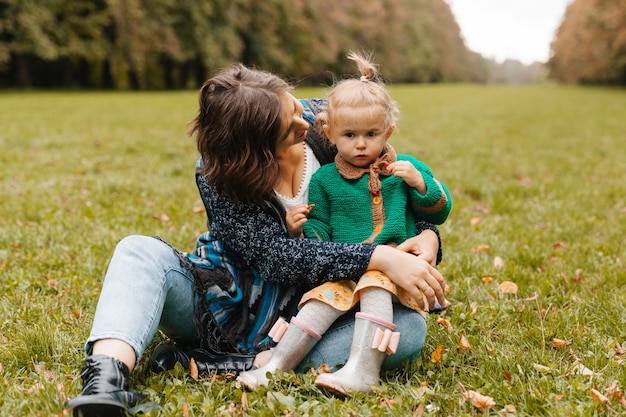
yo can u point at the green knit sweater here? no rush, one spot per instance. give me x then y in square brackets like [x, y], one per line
[343, 207]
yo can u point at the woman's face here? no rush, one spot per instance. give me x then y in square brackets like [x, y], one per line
[294, 126]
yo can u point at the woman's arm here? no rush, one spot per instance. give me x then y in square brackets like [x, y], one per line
[260, 239]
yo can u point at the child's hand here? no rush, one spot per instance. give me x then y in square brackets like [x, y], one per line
[295, 218]
[410, 174]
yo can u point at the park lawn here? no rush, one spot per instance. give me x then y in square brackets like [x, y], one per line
[534, 249]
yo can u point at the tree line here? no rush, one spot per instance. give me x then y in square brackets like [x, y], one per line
[169, 44]
[590, 45]
[146, 44]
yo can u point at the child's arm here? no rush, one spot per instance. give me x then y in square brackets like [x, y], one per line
[295, 218]
[430, 199]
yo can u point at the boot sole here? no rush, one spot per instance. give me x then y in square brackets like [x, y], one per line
[99, 410]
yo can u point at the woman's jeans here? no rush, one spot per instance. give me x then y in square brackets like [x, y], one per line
[146, 289]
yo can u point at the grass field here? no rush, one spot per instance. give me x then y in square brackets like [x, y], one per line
[534, 250]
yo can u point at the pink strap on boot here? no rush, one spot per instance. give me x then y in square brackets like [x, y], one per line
[278, 329]
[385, 341]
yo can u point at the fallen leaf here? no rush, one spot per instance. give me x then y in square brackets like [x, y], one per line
[198, 209]
[244, 401]
[475, 220]
[193, 369]
[578, 275]
[508, 287]
[481, 248]
[77, 313]
[480, 401]
[581, 369]
[322, 369]
[162, 217]
[615, 393]
[533, 298]
[185, 409]
[542, 368]
[419, 411]
[487, 280]
[559, 343]
[444, 323]
[474, 307]
[464, 343]
[508, 409]
[598, 397]
[498, 262]
[436, 356]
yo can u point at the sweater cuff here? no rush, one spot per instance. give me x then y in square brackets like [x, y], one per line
[420, 226]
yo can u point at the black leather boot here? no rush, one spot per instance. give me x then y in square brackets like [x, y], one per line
[105, 391]
[166, 356]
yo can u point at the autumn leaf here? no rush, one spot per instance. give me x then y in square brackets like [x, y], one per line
[487, 280]
[464, 343]
[508, 409]
[437, 355]
[198, 209]
[615, 393]
[193, 369]
[185, 410]
[508, 287]
[444, 323]
[498, 262]
[482, 402]
[481, 248]
[419, 411]
[559, 343]
[162, 217]
[476, 220]
[597, 397]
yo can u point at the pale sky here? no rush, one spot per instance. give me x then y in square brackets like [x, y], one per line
[515, 29]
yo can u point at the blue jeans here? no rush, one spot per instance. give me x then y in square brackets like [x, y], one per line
[146, 288]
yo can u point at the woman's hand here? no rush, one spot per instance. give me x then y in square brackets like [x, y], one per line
[295, 218]
[411, 273]
[425, 246]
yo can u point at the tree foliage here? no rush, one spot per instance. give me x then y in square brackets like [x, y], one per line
[143, 44]
[590, 45]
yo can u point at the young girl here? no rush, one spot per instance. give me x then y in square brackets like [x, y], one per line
[369, 194]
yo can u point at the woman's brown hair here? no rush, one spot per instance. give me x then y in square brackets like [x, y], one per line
[236, 128]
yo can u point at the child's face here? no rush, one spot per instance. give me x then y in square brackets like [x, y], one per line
[360, 133]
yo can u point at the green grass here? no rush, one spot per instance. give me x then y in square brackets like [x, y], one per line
[537, 174]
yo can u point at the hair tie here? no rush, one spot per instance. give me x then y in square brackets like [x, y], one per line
[363, 78]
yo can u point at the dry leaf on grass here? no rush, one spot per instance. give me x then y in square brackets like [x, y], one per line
[508, 409]
[559, 343]
[162, 217]
[193, 369]
[508, 287]
[487, 280]
[498, 262]
[419, 411]
[615, 393]
[464, 343]
[597, 397]
[444, 323]
[475, 220]
[437, 355]
[481, 248]
[480, 401]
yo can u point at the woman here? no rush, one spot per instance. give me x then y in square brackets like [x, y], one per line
[247, 271]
